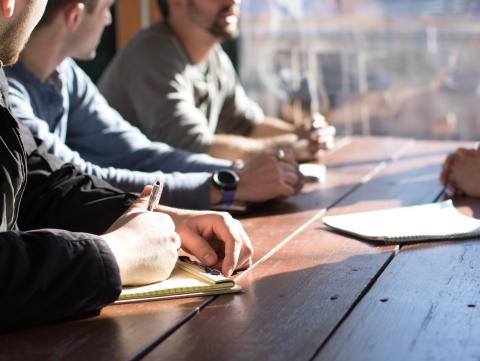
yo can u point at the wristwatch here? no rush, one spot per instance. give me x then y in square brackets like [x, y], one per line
[226, 181]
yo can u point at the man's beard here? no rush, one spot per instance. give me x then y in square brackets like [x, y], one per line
[14, 37]
[218, 29]
[223, 32]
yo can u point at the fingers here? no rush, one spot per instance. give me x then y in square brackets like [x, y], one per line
[446, 169]
[238, 248]
[141, 203]
[198, 246]
[247, 257]
[177, 241]
[218, 239]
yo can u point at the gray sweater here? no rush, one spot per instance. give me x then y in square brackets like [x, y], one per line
[153, 83]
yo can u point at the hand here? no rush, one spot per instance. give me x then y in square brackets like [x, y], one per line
[461, 172]
[144, 243]
[265, 177]
[314, 136]
[216, 239]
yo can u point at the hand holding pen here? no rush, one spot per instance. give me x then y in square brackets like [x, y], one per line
[144, 243]
[215, 239]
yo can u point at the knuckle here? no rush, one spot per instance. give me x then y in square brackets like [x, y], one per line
[248, 251]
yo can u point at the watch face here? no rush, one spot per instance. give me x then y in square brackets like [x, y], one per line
[225, 179]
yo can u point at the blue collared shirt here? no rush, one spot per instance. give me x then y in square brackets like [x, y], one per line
[74, 120]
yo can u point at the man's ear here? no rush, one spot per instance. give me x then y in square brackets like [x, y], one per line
[73, 15]
[8, 7]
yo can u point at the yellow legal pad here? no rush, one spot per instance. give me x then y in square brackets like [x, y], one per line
[188, 279]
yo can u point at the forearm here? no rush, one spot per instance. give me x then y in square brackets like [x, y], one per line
[271, 127]
[237, 147]
[234, 147]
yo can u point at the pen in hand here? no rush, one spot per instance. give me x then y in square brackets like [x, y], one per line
[155, 195]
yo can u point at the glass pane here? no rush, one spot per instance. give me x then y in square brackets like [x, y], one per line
[395, 67]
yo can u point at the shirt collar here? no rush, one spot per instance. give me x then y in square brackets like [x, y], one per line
[54, 80]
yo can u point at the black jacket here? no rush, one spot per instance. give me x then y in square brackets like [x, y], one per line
[52, 266]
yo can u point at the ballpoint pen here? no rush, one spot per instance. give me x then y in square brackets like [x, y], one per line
[155, 195]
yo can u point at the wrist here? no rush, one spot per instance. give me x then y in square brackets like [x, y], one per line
[215, 194]
[225, 183]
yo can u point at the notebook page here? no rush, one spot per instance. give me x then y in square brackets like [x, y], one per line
[430, 221]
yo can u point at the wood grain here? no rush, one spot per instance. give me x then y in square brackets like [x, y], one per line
[123, 331]
[283, 258]
[424, 307]
[297, 297]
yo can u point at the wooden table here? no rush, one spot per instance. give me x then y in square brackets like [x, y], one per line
[311, 294]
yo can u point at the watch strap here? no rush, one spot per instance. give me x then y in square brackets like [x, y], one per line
[228, 196]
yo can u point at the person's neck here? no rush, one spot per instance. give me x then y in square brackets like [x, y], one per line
[197, 43]
[42, 55]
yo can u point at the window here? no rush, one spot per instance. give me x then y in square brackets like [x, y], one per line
[386, 67]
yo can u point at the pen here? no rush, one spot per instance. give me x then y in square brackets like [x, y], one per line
[155, 195]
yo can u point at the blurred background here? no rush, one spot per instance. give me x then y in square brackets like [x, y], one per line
[373, 67]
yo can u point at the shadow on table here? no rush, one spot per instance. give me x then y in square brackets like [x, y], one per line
[119, 333]
[412, 186]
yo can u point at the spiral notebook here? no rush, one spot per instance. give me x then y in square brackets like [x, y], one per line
[188, 279]
[433, 221]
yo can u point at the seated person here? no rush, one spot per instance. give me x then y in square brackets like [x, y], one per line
[59, 103]
[461, 172]
[175, 83]
[68, 241]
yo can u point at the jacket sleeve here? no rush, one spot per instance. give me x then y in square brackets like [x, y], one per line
[47, 275]
[50, 274]
[58, 195]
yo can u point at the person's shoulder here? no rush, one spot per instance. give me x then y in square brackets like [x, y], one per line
[19, 72]
[157, 38]
[20, 81]
[69, 71]
[69, 67]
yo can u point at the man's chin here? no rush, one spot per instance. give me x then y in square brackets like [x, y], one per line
[9, 59]
[225, 33]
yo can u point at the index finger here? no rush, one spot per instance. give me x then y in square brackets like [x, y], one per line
[237, 244]
[446, 169]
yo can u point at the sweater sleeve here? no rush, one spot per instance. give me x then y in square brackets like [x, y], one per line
[94, 125]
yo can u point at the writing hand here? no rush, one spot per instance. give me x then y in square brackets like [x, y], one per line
[144, 243]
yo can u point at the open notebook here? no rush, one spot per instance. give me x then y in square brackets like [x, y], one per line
[188, 279]
[434, 221]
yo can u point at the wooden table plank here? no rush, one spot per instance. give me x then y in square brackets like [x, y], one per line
[425, 306]
[297, 297]
[123, 331]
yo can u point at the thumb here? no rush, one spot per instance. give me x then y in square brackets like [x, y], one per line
[141, 203]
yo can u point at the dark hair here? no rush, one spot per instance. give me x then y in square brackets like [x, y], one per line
[163, 7]
[54, 6]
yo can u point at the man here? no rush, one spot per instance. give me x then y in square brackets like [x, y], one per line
[49, 267]
[61, 106]
[177, 85]
[461, 172]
